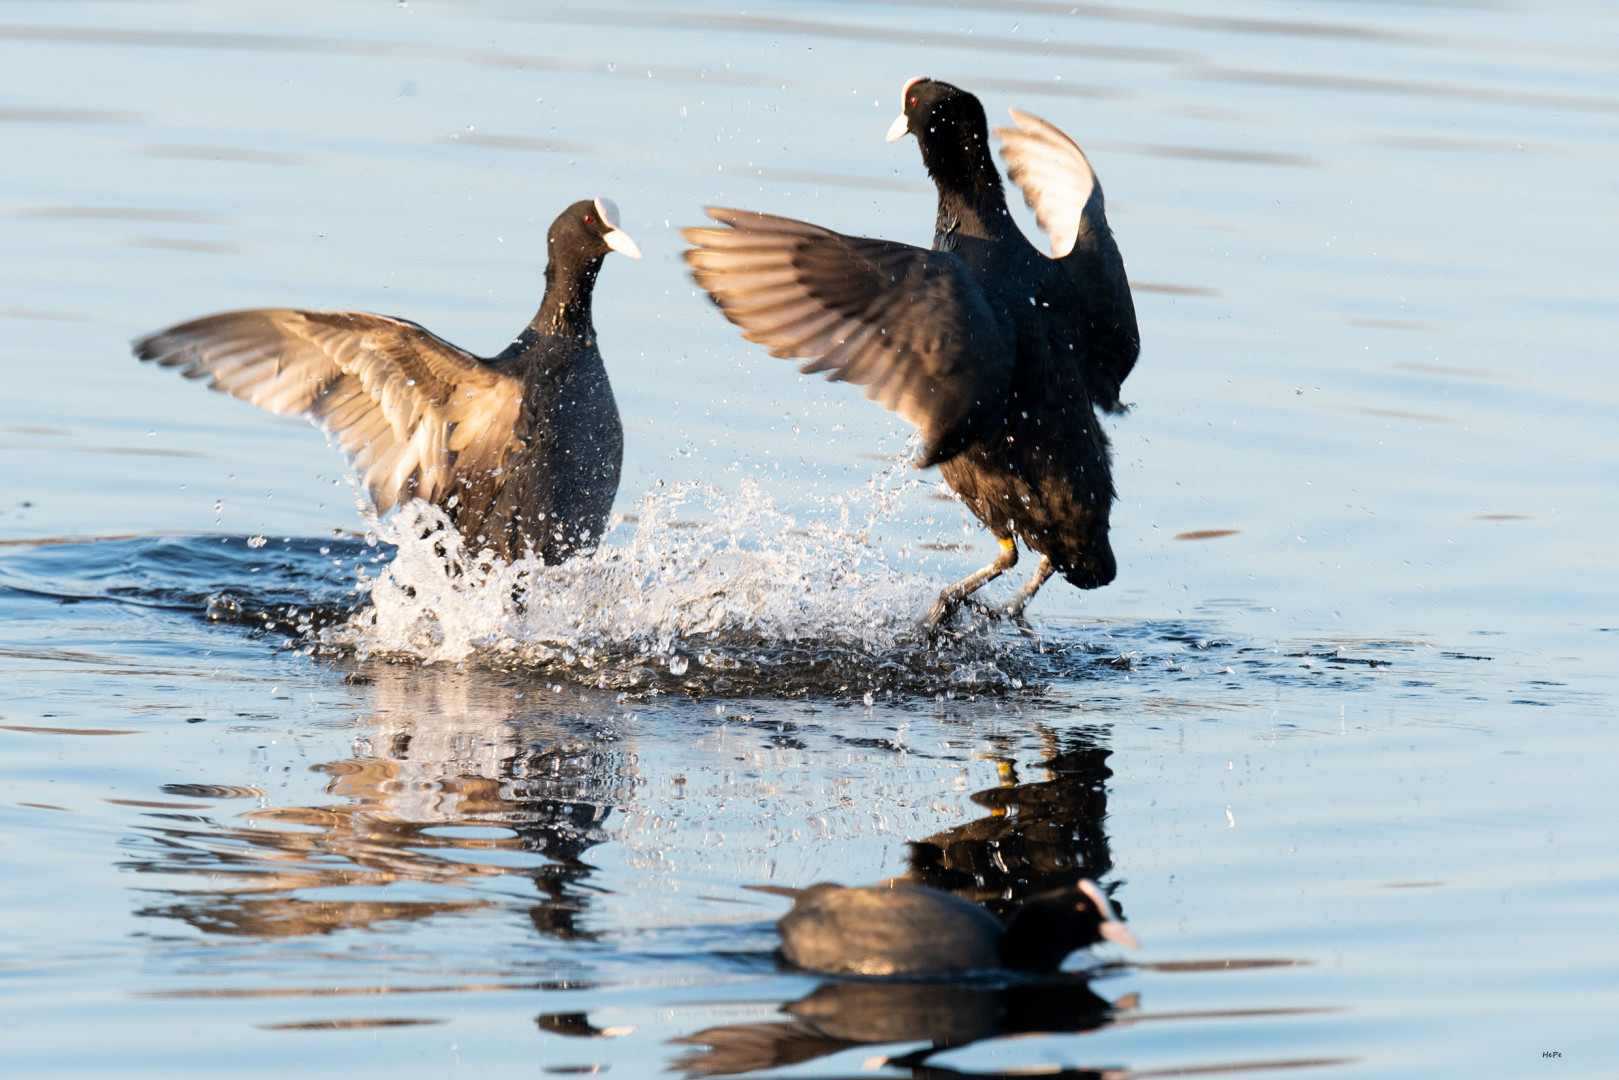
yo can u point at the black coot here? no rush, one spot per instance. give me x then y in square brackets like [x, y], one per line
[521, 450]
[913, 930]
[999, 354]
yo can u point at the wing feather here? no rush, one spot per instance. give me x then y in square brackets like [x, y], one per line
[412, 413]
[909, 325]
[1060, 186]
[1056, 178]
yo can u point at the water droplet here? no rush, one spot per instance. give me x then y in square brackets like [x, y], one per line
[725, 566]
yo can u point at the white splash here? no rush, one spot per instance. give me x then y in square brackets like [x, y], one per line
[707, 575]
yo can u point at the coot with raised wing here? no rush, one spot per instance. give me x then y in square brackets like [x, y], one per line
[998, 353]
[521, 450]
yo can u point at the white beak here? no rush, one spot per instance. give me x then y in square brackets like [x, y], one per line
[1119, 934]
[899, 128]
[615, 237]
[619, 240]
[1111, 929]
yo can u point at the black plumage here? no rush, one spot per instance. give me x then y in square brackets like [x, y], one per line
[521, 450]
[902, 930]
[998, 353]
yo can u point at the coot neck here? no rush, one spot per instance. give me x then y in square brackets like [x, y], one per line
[1042, 933]
[566, 307]
[1027, 952]
[972, 202]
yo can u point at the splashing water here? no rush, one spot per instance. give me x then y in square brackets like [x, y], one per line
[734, 597]
[712, 594]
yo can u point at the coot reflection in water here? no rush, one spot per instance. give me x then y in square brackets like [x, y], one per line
[1038, 835]
[554, 783]
[549, 787]
[837, 1016]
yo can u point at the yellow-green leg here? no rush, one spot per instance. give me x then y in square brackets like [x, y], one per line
[951, 598]
[1014, 610]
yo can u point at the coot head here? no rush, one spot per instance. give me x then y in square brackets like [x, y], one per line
[952, 131]
[928, 106]
[1053, 924]
[590, 229]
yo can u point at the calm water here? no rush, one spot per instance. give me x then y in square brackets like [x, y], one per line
[1339, 739]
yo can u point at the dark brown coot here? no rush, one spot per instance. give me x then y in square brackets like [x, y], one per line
[913, 930]
[521, 450]
[998, 353]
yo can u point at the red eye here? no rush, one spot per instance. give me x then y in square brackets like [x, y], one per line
[590, 219]
[913, 103]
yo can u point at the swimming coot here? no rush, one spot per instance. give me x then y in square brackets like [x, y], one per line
[998, 353]
[521, 450]
[903, 929]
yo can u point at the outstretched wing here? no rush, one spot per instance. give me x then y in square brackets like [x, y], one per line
[1055, 177]
[1060, 187]
[412, 412]
[908, 324]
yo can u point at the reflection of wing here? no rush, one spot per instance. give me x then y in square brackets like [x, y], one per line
[908, 324]
[1055, 176]
[412, 412]
[746, 1048]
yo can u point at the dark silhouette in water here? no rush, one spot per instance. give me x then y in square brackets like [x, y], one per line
[440, 748]
[999, 354]
[840, 1015]
[1038, 835]
[521, 450]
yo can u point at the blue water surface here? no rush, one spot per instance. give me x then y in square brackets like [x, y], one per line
[1339, 739]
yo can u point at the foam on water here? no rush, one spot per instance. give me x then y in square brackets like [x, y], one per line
[714, 592]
